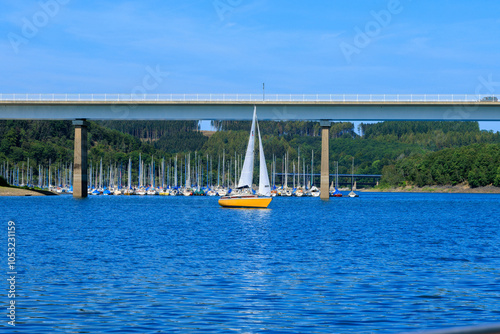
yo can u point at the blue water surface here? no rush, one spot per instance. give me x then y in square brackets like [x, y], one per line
[383, 263]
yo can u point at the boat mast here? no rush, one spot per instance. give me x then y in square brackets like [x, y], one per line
[129, 173]
[312, 168]
[175, 172]
[298, 168]
[100, 175]
[163, 173]
[140, 170]
[284, 175]
[304, 171]
[180, 170]
[336, 175]
[169, 178]
[264, 187]
[188, 171]
[352, 174]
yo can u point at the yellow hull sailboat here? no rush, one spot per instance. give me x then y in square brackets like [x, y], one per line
[242, 196]
[245, 202]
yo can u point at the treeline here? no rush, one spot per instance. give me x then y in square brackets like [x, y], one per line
[399, 129]
[478, 165]
[432, 136]
[40, 141]
[151, 130]
[288, 128]
[165, 136]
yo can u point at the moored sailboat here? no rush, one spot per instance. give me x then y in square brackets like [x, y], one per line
[242, 196]
[352, 193]
[334, 191]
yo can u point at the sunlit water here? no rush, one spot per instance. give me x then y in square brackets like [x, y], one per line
[379, 263]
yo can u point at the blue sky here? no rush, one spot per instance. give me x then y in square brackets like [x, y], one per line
[233, 46]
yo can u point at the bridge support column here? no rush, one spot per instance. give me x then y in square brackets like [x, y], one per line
[325, 159]
[80, 172]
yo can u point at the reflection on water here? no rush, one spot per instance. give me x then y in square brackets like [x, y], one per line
[381, 262]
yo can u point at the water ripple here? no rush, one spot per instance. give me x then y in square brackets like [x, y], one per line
[383, 262]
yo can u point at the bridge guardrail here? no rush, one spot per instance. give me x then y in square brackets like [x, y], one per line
[245, 98]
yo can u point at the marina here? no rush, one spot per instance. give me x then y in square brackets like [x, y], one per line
[168, 189]
[180, 176]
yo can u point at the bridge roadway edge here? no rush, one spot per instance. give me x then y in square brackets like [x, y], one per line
[267, 110]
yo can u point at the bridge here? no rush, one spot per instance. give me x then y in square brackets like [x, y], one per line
[324, 108]
[235, 107]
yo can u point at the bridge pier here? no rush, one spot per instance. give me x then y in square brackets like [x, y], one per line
[80, 172]
[325, 159]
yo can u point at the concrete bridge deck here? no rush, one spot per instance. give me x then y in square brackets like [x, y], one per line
[242, 110]
[312, 107]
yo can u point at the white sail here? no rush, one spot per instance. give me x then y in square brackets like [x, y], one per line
[246, 177]
[264, 186]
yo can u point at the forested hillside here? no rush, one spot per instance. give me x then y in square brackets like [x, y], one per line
[165, 136]
[430, 135]
[288, 129]
[478, 165]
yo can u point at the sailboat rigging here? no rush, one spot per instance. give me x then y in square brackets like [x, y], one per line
[243, 196]
[352, 193]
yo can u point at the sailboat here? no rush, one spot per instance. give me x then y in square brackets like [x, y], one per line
[244, 197]
[129, 191]
[334, 192]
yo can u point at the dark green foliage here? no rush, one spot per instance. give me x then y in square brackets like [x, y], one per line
[476, 164]
[433, 136]
[3, 182]
[151, 130]
[52, 141]
[165, 136]
[391, 176]
[181, 142]
[288, 129]
[401, 129]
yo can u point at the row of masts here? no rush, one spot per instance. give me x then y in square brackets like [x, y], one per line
[176, 173]
[172, 173]
[21, 174]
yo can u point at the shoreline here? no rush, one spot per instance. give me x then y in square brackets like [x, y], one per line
[459, 189]
[19, 192]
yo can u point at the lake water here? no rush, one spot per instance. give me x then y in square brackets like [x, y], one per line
[382, 263]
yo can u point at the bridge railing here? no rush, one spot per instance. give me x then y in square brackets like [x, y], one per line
[246, 98]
